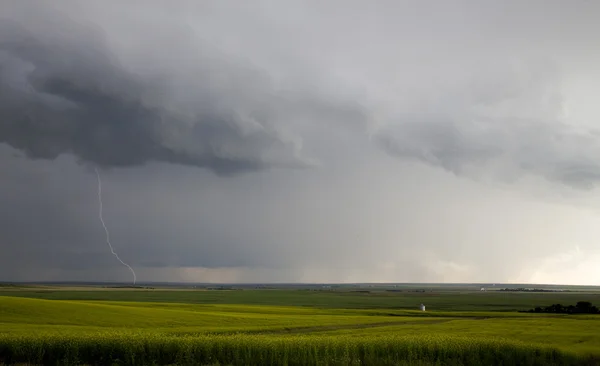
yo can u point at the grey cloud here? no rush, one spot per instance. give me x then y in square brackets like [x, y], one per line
[552, 151]
[54, 224]
[69, 95]
[458, 86]
[506, 123]
[439, 143]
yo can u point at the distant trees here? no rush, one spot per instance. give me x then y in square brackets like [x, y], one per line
[582, 307]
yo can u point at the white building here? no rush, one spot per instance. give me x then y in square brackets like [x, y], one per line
[422, 307]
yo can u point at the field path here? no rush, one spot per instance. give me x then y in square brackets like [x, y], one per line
[327, 328]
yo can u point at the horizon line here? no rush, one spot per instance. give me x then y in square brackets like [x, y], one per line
[189, 283]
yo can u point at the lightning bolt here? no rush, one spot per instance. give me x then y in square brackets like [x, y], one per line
[106, 229]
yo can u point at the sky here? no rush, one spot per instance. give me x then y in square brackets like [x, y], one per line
[300, 141]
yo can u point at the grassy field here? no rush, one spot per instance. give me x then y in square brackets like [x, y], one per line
[245, 327]
[439, 300]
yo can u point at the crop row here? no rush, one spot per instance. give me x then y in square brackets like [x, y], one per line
[156, 349]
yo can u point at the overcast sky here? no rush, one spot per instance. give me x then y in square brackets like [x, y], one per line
[301, 141]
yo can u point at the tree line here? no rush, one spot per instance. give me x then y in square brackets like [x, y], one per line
[582, 307]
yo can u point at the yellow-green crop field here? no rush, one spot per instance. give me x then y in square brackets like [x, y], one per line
[61, 332]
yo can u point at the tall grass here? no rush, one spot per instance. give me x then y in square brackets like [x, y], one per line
[159, 349]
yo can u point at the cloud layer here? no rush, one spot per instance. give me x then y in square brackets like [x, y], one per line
[64, 91]
[386, 141]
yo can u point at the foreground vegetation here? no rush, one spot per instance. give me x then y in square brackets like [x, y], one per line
[146, 349]
[90, 329]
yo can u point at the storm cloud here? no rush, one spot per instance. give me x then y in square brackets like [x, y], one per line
[64, 91]
[387, 141]
[520, 129]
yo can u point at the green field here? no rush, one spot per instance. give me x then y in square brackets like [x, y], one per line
[58, 325]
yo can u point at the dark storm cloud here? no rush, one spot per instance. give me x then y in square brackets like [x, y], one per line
[50, 221]
[64, 92]
[505, 120]
[555, 152]
[163, 87]
[440, 144]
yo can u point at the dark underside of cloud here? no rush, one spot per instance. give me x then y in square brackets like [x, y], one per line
[64, 94]
[63, 90]
[554, 152]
